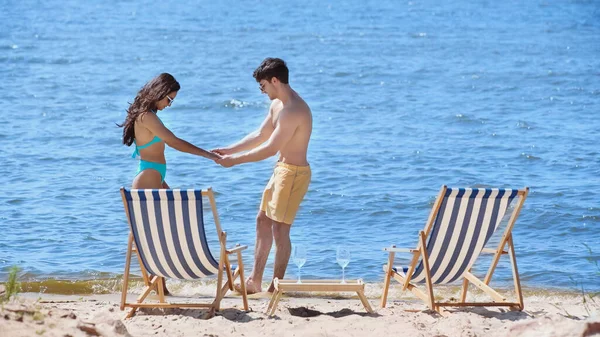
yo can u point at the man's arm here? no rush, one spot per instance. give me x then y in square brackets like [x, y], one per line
[253, 139]
[283, 132]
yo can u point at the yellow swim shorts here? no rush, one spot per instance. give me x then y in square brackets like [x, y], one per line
[285, 191]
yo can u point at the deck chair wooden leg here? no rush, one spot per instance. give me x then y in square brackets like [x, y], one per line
[411, 269]
[223, 241]
[148, 289]
[386, 287]
[160, 285]
[145, 275]
[229, 274]
[242, 280]
[412, 288]
[418, 292]
[221, 288]
[487, 289]
[131, 312]
[515, 270]
[465, 287]
[126, 273]
[143, 295]
[217, 301]
[443, 312]
[225, 287]
[428, 283]
[211, 313]
[387, 278]
[495, 259]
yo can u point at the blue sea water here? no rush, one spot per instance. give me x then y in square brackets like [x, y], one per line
[406, 96]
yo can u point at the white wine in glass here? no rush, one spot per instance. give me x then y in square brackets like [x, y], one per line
[343, 259]
[299, 257]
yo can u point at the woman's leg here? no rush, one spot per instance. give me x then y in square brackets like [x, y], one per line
[148, 178]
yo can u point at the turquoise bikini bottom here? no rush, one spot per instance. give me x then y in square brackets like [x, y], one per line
[161, 168]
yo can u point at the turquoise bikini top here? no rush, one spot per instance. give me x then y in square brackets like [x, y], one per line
[136, 152]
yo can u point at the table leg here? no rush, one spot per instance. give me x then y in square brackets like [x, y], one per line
[277, 295]
[364, 301]
[271, 302]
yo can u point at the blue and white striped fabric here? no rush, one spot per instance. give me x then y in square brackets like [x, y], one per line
[168, 229]
[466, 220]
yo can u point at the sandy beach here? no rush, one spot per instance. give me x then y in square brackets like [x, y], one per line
[298, 314]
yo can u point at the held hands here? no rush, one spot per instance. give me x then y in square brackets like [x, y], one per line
[223, 157]
[214, 156]
[226, 161]
[221, 151]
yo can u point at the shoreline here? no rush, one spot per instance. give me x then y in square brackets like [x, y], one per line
[298, 314]
[191, 288]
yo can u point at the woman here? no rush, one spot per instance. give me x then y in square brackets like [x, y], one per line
[144, 129]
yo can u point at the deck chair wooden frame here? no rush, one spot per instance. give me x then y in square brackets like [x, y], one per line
[155, 283]
[420, 255]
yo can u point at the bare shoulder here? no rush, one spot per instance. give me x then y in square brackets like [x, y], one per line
[296, 113]
[276, 105]
[146, 117]
[300, 108]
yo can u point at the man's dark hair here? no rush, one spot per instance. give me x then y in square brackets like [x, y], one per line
[272, 67]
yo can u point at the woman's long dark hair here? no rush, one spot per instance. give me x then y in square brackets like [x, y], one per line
[145, 101]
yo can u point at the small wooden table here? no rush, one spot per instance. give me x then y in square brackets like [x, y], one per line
[317, 285]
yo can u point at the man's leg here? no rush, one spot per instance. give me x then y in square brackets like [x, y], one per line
[264, 241]
[281, 234]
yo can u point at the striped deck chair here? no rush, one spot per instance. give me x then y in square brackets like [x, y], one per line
[460, 224]
[167, 234]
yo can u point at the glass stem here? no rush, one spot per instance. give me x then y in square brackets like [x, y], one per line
[299, 275]
[343, 274]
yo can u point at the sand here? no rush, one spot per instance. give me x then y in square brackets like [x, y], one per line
[298, 314]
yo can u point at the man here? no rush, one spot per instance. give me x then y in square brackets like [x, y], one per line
[286, 129]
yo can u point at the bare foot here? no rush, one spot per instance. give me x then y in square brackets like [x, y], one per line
[251, 288]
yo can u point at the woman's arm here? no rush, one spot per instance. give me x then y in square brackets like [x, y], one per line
[151, 122]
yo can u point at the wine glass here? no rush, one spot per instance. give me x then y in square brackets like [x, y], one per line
[343, 259]
[299, 257]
